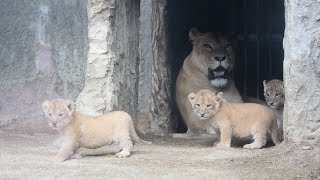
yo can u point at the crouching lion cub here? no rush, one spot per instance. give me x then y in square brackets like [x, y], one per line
[235, 119]
[90, 132]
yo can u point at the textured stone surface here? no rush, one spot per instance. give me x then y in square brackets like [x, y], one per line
[302, 72]
[42, 56]
[111, 77]
[127, 68]
[154, 70]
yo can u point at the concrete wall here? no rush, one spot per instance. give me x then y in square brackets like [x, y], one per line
[302, 72]
[43, 53]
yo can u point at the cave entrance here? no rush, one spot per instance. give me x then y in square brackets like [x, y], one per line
[258, 26]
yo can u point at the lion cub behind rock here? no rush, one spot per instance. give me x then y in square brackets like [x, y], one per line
[235, 119]
[90, 132]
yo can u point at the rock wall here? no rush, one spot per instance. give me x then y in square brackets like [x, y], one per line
[302, 72]
[112, 67]
[127, 68]
[154, 105]
[43, 53]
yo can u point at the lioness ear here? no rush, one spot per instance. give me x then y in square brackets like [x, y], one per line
[264, 85]
[194, 33]
[45, 105]
[191, 97]
[219, 96]
[71, 105]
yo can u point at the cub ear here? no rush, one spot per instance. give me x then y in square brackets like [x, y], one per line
[71, 105]
[264, 85]
[191, 97]
[45, 105]
[219, 96]
[194, 34]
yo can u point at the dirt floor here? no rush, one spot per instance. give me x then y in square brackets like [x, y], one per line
[29, 156]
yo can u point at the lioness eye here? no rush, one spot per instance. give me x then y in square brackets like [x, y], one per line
[207, 46]
[227, 45]
[267, 94]
[278, 94]
[49, 114]
[198, 105]
[61, 114]
[208, 105]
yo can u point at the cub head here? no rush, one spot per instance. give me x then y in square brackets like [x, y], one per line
[274, 93]
[214, 55]
[59, 112]
[205, 103]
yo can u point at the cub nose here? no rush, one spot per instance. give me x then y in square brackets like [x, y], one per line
[220, 58]
[271, 103]
[202, 114]
[54, 124]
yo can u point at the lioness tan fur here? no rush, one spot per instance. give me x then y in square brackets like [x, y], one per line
[206, 67]
[90, 132]
[235, 119]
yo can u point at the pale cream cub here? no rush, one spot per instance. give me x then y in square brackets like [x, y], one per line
[275, 98]
[235, 119]
[90, 132]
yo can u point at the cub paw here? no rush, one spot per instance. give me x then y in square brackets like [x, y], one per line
[251, 146]
[222, 145]
[58, 159]
[122, 154]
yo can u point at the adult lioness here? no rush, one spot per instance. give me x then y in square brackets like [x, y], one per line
[206, 67]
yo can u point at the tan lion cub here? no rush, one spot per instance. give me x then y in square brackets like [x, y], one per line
[90, 132]
[235, 119]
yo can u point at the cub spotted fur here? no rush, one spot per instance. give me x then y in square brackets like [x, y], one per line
[208, 66]
[235, 119]
[90, 132]
[274, 95]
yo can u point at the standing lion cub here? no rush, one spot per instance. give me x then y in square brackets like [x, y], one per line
[90, 132]
[235, 119]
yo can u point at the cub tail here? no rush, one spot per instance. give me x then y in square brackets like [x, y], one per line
[134, 135]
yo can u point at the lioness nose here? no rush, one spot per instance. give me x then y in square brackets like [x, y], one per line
[220, 58]
[54, 123]
[202, 114]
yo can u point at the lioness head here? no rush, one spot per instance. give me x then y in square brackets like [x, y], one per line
[205, 103]
[58, 112]
[214, 55]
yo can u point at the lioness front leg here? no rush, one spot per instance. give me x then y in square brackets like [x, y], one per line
[225, 136]
[126, 148]
[65, 151]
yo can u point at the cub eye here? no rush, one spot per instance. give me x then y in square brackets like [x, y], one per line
[267, 94]
[209, 105]
[49, 114]
[227, 45]
[61, 114]
[207, 47]
[198, 105]
[278, 94]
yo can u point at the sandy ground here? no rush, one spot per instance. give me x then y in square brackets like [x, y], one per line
[29, 156]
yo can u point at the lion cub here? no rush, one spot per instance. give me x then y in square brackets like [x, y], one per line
[274, 95]
[90, 132]
[235, 119]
